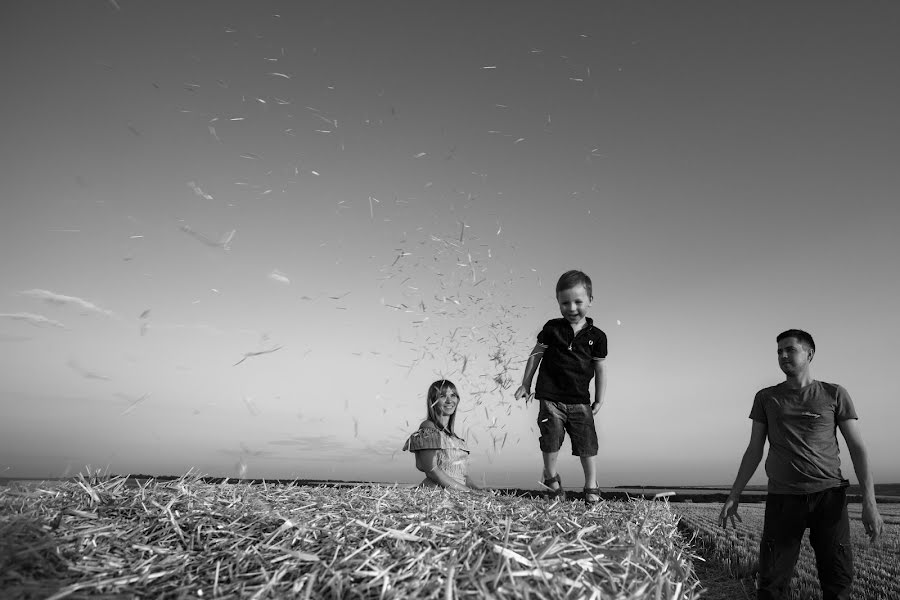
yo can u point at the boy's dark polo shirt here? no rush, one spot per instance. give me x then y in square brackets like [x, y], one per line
[568, 363]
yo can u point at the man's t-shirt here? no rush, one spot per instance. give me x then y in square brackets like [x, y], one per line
[803, 447]
[567, 366]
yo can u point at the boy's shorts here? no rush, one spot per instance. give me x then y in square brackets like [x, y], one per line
[555, 419]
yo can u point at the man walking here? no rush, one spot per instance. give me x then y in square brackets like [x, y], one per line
[800, 418]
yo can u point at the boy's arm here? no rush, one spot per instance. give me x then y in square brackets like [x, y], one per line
[599, 384]
[870, 517]
[752, 456]
[534, 359]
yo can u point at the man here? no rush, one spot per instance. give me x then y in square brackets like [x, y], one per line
[800, 418]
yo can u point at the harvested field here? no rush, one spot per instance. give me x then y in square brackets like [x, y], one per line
[737, 551]
[97, 537]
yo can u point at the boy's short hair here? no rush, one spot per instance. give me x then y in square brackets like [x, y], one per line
[800, 335]
[574, 278]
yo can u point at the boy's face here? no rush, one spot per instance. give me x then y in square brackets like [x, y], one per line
[793, 356]
[573, 303]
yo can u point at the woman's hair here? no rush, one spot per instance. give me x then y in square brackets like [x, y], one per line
[434, 390]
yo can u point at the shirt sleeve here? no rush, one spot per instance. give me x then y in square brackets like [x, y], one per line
[758, 412]
[844, 408]
[543, 336]
[598, 348]
[424, 439]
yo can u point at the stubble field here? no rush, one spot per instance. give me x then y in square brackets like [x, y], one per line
[736, 551]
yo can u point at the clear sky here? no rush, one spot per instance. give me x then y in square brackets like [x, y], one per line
[360, 198]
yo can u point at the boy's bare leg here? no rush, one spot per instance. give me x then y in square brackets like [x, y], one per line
[589, 465]
[550, 465]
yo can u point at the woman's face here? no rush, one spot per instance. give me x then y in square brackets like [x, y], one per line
[446, 402]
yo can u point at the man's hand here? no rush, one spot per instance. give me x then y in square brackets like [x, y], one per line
[872, 521]
[523, 392]
[595, 407]
[729, 511]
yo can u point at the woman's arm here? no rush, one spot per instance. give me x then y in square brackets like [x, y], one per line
[472, 485]
[426, 461]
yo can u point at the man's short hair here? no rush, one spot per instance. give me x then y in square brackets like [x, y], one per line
[800, 335]
[573, 278]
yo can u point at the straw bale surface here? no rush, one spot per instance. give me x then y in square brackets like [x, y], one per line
[109, 538]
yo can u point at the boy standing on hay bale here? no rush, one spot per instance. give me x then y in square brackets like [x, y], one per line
[800, 417]
[570, 351]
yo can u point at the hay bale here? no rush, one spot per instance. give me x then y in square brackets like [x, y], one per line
[187, 537]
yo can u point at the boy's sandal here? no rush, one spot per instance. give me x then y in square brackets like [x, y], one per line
[558, 493]
[591, 495]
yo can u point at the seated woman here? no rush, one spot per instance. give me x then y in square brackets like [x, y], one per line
[440, 453]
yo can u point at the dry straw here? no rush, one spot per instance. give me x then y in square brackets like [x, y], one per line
[96, 537]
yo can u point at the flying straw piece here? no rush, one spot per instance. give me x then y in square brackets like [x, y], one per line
[198, 191]
[280, 277]
[224, 242]
[63, 300]
[33, 319]
[85, 372]
[257, 353]
[134, 405]
[248, 402]
[280, 75]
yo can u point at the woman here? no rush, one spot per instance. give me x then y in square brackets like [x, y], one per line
[440, 453]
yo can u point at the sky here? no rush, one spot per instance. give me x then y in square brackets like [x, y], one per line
[243, 238]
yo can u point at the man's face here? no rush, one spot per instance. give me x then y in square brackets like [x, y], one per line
[573, 303]
[793, 357]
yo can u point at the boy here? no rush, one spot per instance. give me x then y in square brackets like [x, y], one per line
[800, 417]
[570, 351]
